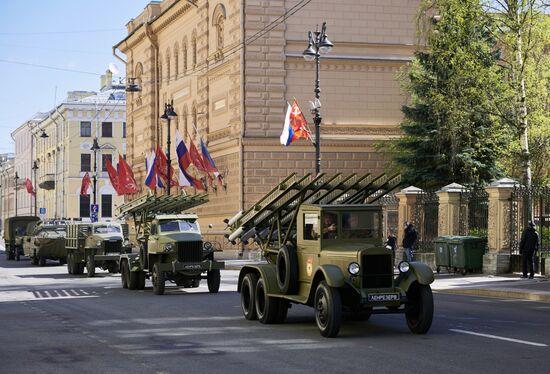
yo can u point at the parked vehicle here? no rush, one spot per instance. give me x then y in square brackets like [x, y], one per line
[323, 240]
[15, 228]
[45, 242]
[91, 245]
[171, 245]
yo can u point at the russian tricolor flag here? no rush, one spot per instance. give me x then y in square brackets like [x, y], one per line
[184, 178]
[288, 133]
[151, 177]
[295, 125]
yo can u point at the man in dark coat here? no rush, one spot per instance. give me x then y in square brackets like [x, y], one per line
[409, 240]
[528, 246]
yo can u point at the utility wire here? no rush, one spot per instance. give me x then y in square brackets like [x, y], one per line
[58, 32]
[48, 67]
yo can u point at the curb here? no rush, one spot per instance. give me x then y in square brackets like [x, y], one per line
[500, 293]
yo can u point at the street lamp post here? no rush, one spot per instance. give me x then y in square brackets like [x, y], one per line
[34, 169]
[318, 44]
[95, 148]
[16, 178]
[168, 115]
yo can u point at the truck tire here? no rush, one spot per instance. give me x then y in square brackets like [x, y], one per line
[90, 265]
[158, 280]
[41, 261]
[267, 307]
[133, 279]
[287, 270]
[17, 255]
[213, 279]
[141, 280]
[124, 269]
[419, 309]
[79, 266]
[34, 259]
[282, 310]
[248, 296]
[70, 263]
[328, 310]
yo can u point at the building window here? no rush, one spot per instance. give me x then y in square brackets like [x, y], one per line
[85, 162]
[107, 129]
[85, 129]
[184, 48]
[106, 206]
[123, 129]
[176, 60]
[84, 205]
[194, 51]
[104, 159]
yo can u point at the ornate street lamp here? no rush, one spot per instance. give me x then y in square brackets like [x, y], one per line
[95, 148]
[16, 178]
[318, 44]
[34, 169]
[168, 115]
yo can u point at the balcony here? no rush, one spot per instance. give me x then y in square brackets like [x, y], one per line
[47, 182]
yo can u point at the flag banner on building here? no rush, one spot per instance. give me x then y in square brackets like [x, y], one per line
[113, 175]
[295, 126]
[30, 188]
[86, 182]
[196, 158]
[184, 161]
[127, 181]
[209, 163]
[160, 165]
[151, 177]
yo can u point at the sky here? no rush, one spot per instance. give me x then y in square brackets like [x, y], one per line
[75, 36]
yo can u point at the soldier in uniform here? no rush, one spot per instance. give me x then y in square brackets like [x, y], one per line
[528, 246]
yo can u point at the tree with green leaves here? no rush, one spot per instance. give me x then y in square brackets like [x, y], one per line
[451, 129]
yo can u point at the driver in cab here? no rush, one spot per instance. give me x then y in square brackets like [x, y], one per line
[329, 226]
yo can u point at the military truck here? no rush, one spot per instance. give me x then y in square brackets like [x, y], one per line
[45, 242]
[94, 245]
[15, 228]
[170, 245]
[322, 237]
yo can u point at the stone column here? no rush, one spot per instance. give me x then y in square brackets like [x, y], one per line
[407, 200]
[449, 209]
[497, 259]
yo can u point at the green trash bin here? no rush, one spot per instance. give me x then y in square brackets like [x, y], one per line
[441, 250]
[466, 253]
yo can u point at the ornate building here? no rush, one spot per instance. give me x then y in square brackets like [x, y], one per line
[230, 66]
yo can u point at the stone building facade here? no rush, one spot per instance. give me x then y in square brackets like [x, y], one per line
[230, 66]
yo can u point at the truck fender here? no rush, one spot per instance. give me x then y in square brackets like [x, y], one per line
[419, 272]
[332, 275]
[266, 271]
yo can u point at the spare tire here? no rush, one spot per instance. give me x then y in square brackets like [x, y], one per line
[287, 269]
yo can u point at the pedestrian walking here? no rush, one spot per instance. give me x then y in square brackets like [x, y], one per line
[391, 242]
[409, 240]
[528, 247]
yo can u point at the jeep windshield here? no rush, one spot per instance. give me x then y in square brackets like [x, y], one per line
[179, 225]
[106, 229]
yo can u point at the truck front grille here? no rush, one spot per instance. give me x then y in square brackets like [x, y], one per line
[377, 271]
[190, 251]
[113, 247]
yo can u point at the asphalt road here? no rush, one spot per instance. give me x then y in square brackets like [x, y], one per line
[51, 322]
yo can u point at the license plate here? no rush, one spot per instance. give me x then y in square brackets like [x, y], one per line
[383, 297]
[192, 267]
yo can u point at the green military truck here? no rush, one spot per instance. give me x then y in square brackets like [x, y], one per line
[322, 237]
[45, 242]
[15, 229]
[171, 245]
[91, 245]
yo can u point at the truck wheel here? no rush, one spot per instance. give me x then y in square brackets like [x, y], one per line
[17, 255]
[282, 310]
[90, 265]
[267, 307]
[213, 280]
[141, 280]
[80, 268]
[248, 296]
[420, 308]
[69, 263]
[34, 259]
[328, 310]
[158, 280]
[41, 261]
[287, 269]
[133, 279]
[124, 269]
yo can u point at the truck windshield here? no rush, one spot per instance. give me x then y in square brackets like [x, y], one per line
[106, 229]
[178, 225]
[361, 225]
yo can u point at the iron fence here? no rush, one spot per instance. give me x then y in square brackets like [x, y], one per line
[426, 219]
[474, 212]
[390, 213]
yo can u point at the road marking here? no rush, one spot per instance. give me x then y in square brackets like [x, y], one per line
[499, 338]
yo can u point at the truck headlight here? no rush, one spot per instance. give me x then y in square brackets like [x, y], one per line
[353, 268]
[125, 243]
[404, 266]
[98, 243]
[168, 247]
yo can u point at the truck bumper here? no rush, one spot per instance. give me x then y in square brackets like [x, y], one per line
[191, 267]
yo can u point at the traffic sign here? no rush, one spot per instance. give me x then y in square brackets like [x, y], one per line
[94, 209]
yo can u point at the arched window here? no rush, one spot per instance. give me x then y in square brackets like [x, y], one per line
[184, 50]
[176, 60]
[218, 21]
[194, 49]
[167, 65]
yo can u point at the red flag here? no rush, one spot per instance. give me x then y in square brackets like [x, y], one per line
[86, 181]
[161, 164]
[113, 176]
[29, 186]
[196, 157]
[298, 122]
[127, 182]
